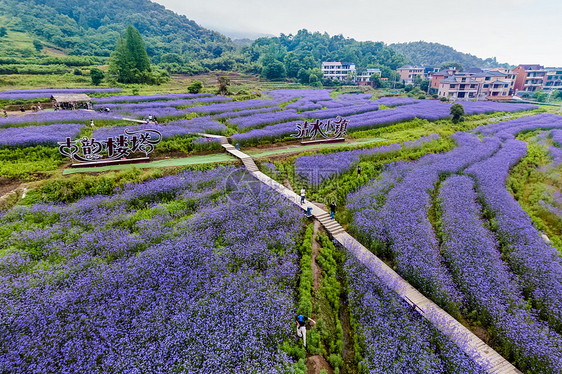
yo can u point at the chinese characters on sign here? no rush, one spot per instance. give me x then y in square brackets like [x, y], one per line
[329, 130]
[92, 150]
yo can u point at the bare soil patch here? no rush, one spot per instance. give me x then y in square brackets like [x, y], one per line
[316, 363]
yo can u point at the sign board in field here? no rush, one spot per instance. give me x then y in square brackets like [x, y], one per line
[91, 152]
[330, 131]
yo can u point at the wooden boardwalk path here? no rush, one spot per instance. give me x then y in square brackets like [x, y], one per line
[463, 337]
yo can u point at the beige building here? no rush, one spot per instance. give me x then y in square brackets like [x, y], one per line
[408, 73]
[476, 84]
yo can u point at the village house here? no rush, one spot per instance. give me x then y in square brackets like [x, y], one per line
[530, 78]
[408, 73]
[364, 76]
[339, 70]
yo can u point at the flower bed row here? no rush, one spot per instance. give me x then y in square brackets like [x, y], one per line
[47, 92]
[38, 135]
[316, 168]
[474, 258]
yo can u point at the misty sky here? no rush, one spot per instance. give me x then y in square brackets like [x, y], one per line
[514, 31]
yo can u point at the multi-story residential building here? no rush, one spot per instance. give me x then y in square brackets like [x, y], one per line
[364, 76]
[494, 85]
[474, 84]
[408, 73]
[338, 70]
[530, 78]
[459, 87]
[553, 79]
[437, 77]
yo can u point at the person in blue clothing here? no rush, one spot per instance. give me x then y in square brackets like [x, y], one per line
[332, 209]
[301, 327]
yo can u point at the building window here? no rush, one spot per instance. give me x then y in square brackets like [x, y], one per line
[453, 86]
[486, 85]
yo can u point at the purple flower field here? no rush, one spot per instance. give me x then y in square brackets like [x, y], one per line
[365, 116]
[132, 107]
[395, 339]
[315, 168]
[473, 254]
[163, 276]
[248, 112]
[47, 92]
[168, 130]
[138, 98]
[509, 129]
[198, 272]
[261, 119]
[537, 264]
[38, 135]
[55, 116]
[233, 106]
[509, 277]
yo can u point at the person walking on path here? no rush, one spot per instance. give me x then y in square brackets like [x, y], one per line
[358, 170]
[303, 193]
[332, 209]
[301, 327]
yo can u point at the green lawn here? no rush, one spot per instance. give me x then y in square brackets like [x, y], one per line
[171, 162]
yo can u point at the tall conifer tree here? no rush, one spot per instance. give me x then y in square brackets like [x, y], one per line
[129, 61]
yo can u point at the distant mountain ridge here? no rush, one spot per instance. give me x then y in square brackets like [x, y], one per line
[435, 54]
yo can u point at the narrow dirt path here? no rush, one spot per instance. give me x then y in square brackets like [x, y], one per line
[316, 363]
[287, 184]
[315, 251]
[348, 351]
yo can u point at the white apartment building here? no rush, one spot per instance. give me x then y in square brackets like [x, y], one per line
[338, 70]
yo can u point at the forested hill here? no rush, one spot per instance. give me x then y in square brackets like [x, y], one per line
[91, 27]
[315, 46]
[435, 54]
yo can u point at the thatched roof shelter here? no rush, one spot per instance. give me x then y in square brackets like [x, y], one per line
[74, 98]
[73, 101]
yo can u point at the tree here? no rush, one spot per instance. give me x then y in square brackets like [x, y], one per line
[195, 87]
[129, 62]
[457, 111]
[376, 80]
[223, 82]
[3, 32]
[171, 58]
[274, 70]
[96, 75]
[303, 76]
[540, 95]
[135, 45]
[424, 85]
[37, 45]
[451, 64]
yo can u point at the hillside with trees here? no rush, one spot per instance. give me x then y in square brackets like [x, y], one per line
[300, 56]
[92, 27]
[435, 54]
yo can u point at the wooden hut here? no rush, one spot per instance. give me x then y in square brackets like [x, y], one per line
[71, 102]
